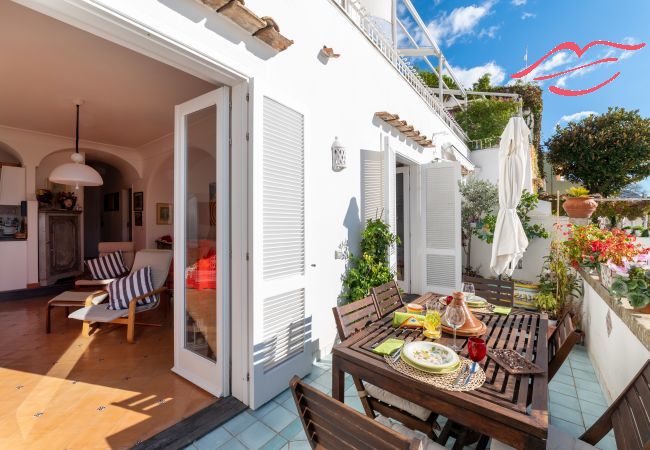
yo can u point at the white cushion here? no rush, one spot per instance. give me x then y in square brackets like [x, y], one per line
[427, 444]
[387, 397]
[158, 259]
[557, 440]
[101, 313]
[80, 296]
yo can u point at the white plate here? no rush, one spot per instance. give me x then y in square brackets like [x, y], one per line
[430, 355]
[476, 300]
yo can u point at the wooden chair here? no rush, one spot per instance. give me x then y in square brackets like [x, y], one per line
[332, 425]
[496, 292]
[351, 318]
[628, 416]
[560, 343]
[388, 298]
[94, 314]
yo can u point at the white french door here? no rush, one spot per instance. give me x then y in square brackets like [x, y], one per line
[403, 226]
[201, 241]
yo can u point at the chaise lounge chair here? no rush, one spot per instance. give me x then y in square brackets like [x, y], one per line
[94, 314]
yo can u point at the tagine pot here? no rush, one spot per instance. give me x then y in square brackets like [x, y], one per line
[472, 326]
[579, 207]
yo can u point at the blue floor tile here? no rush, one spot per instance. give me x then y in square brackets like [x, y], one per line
[232, 444]
[579, 374]
[590, 396]
[607, 443]
[239, 423]
[569, 427]
[276, 443]
[292, 429]
[290, 405]
[586, 366]
[590, 386]
[264, 410]
[564, 413]
[562, 388]
[256, 435]
[283, 396]
[595, 409]
[299, 445]
[564, 379]
[354, 402]
[564, 400]
[278, 419]
[213, 439]
[589, 419]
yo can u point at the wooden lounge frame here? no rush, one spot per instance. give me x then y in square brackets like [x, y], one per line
[403, 127]
[560, 343]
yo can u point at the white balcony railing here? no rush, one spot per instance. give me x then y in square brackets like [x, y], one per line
[357, 14]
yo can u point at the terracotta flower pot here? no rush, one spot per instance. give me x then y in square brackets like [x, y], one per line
[579, 207]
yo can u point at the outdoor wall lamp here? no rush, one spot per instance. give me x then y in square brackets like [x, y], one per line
[338, 155]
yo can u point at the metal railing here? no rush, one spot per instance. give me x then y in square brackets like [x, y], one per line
[357, 14]
[480, 144]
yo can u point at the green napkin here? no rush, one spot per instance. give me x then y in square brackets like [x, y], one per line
[504, 310]
[388, 346]
[400, 317]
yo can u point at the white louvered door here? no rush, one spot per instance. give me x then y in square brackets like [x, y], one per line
[440, 238]
[281, 321]
[390, 204]
[372, 185]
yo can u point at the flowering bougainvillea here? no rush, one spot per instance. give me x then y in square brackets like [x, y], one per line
[589, 246]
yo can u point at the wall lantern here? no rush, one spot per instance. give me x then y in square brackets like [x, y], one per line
[338, 155]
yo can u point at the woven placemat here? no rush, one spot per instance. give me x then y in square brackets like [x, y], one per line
[445, 381]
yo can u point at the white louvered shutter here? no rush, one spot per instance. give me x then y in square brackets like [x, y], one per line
[440, 227]
[372, 185]
[281, 326]
[390, 204]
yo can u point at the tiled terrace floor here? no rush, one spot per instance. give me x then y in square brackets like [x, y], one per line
[575, 401]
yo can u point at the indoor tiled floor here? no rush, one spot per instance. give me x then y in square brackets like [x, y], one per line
[576, 401]
[62, 390]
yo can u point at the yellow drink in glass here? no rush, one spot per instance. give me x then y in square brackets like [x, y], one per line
[432, 328]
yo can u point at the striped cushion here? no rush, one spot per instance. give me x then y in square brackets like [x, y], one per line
[107, 266]
[122, 290]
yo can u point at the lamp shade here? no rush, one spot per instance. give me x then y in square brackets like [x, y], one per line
[77, 174]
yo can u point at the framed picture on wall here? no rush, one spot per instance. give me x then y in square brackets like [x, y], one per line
[137, 218]
[164, 213]
[138, 201]
[112, 201]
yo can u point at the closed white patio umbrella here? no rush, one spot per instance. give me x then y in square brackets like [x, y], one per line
[510, 241]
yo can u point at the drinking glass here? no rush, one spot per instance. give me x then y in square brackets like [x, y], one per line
[477, 350]
[468, 290]
[432, 325]
[455, 318]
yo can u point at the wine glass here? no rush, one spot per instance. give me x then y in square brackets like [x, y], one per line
[455, 318]
[468, 290]
[477, 350]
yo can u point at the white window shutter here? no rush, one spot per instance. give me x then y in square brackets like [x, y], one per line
[440, 228]
[372, 186]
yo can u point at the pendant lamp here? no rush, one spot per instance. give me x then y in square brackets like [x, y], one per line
[76, 173]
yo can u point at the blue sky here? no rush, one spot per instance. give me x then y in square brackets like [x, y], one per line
[479, 36]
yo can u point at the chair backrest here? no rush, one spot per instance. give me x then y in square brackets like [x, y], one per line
[560, 343]
[388, 298]
[159, 260]
[330, 424]
[497, 292]
[127, 249]
[354, 316]
[628, 415]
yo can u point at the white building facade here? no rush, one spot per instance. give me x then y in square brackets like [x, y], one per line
[283, 214]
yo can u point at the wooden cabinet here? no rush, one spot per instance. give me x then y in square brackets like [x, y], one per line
[59, 234]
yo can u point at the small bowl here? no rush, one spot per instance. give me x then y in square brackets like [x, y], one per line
[414, 308]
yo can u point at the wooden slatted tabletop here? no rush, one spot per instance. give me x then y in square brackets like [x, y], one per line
[512, 409]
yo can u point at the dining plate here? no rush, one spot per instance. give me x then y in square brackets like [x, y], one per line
[430, 355]
[441, 371]
[476, 302]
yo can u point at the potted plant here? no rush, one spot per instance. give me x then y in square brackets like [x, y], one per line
[636, 287]
[546, 303]
[578, 204]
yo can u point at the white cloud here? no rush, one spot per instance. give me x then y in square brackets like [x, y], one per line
[460, 22]
[576, 116]
[518, 2]
[469, 76]
[489, 32]
[528, 15]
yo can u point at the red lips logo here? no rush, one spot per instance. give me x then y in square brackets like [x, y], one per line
[579, 52]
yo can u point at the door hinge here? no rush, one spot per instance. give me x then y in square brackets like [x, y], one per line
[248, 377]
[229, 141]
[230, 103]
[248, 97]
[247, 256]
[247, 136]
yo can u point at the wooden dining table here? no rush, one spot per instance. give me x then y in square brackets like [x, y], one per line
[510, 408]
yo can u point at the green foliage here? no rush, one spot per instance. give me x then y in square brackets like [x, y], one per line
[527, 203]
[559, 280]
[482, 84]
[486, 118]
[479, 199]
[617, 209]
[371, 269]
[431, 79]
[577, 191]
[636, 287]
[546, 302]
[605, 153]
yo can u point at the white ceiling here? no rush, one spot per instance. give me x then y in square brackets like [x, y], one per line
[44, 64]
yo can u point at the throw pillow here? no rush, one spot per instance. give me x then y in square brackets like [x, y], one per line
[122, 290]
[107, 266]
